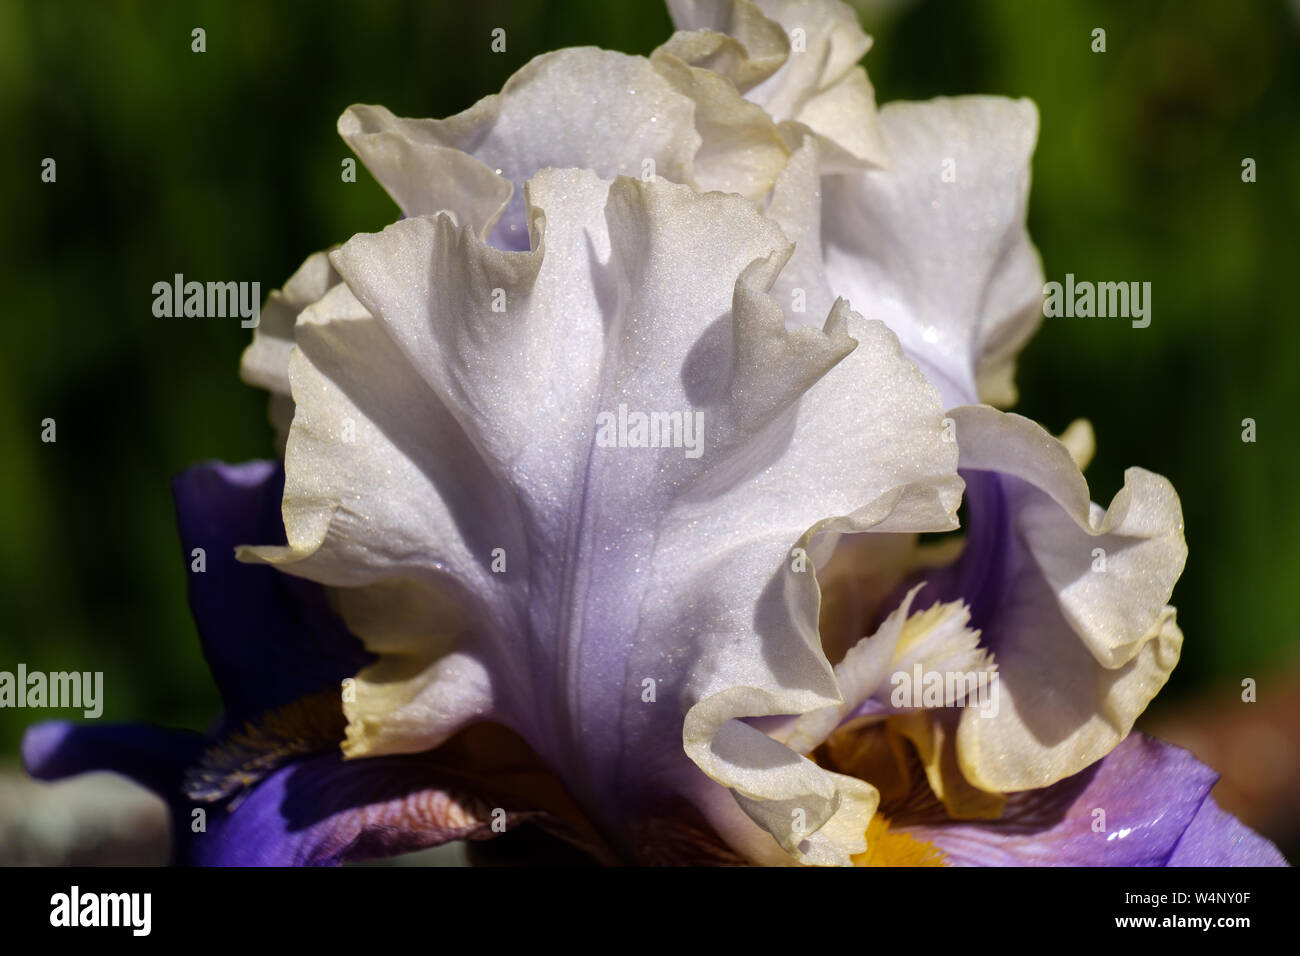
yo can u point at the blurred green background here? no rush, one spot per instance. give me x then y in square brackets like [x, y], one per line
[225, 165]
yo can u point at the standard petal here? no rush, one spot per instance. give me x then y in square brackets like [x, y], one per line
[796, 206]
[583, 107]
[741, 149]
[265, 363]
[421, 174]
[734, 39]
[936, 247]
[818, 84]
[509, 563]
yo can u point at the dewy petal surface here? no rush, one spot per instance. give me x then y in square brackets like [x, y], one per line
[582, 107]
[936, 246]
[741, 149]
[642, 587]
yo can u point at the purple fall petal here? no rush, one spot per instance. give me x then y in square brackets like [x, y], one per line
[268, 637]
[1216, 838]
[1154, 796]
[324, 810]
[153, 757]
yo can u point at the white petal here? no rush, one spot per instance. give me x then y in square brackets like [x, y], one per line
[818, 83]
[421, 174]
[265, 362]
[1082, 646]
[474, 429]
[741, 149]
[796, 206]
[733, 39]
[936, 245]
[582, 107]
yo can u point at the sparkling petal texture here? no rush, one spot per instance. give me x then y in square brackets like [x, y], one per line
[587, 108]
[1215, 838]
[936, 247]
[1157, 812]
[742, 150]
[474, 430]
[646, 645]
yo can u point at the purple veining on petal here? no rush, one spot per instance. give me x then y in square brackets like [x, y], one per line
[325, 810]
[319, 810]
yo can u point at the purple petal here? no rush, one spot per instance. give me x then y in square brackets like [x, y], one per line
[1152, 794]
[325, 810]
[151, 756]
[1079, 654]
[320, 810]
[982, 575]
[1216, 838]
[268, 637]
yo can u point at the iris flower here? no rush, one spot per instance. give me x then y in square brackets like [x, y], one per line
[457, 607]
